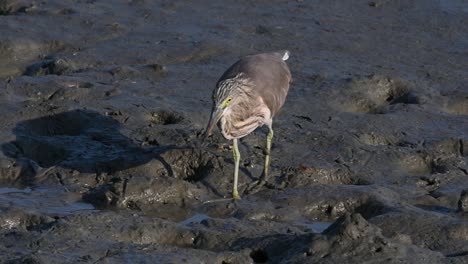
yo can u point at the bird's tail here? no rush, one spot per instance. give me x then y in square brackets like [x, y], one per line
[285, 55]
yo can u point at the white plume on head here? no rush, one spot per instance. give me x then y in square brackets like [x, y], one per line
[286, 55]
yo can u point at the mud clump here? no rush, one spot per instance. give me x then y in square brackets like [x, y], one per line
[52, 66]
[463, 202]
[350, 238]
[352, 233]
[13, 7]
[456, 103]
[124, 72]
[177, 179]
[375, 93]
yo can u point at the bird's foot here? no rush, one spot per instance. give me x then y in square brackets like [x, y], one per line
[257, 185]
[254, 187]
[236, 196]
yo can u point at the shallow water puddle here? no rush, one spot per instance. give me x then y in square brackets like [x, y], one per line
[44, 200]
[196, 218]
[315, 227]
[14, 190]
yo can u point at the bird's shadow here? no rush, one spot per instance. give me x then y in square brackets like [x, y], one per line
[81, 140]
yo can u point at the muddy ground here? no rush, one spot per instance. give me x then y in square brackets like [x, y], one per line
[103, 104]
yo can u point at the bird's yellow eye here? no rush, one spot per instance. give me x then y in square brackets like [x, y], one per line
[226, 102]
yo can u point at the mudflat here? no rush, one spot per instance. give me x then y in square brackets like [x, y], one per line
[103, 105]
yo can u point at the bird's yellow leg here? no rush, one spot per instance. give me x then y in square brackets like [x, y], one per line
[235, 150]
[255, 186]
[266, 169]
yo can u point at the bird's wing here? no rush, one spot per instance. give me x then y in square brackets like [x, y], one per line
[268, 75]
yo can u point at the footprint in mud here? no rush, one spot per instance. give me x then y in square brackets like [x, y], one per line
[455, 103]
[449, 146]
[165, 127]
[127, 72]
[308, 176]
[85, 148]
[53, 66]
[378, 139]
[12, 7]
[419, 164]
[373, 95]
[192, 53]
[164, 117]
[68, 139]
[416, 164]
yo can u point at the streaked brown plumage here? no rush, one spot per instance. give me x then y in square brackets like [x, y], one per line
[248, 95]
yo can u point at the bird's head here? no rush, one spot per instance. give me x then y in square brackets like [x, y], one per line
[219, 108]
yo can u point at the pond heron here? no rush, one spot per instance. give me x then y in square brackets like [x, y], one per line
[247, 96]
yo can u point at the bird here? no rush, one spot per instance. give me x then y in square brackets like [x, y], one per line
[247, 96]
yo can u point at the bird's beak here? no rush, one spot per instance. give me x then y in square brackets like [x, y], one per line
[215, 116]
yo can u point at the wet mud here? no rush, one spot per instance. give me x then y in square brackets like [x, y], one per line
[104, 104]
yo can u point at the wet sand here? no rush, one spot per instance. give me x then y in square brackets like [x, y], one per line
[104, 102]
